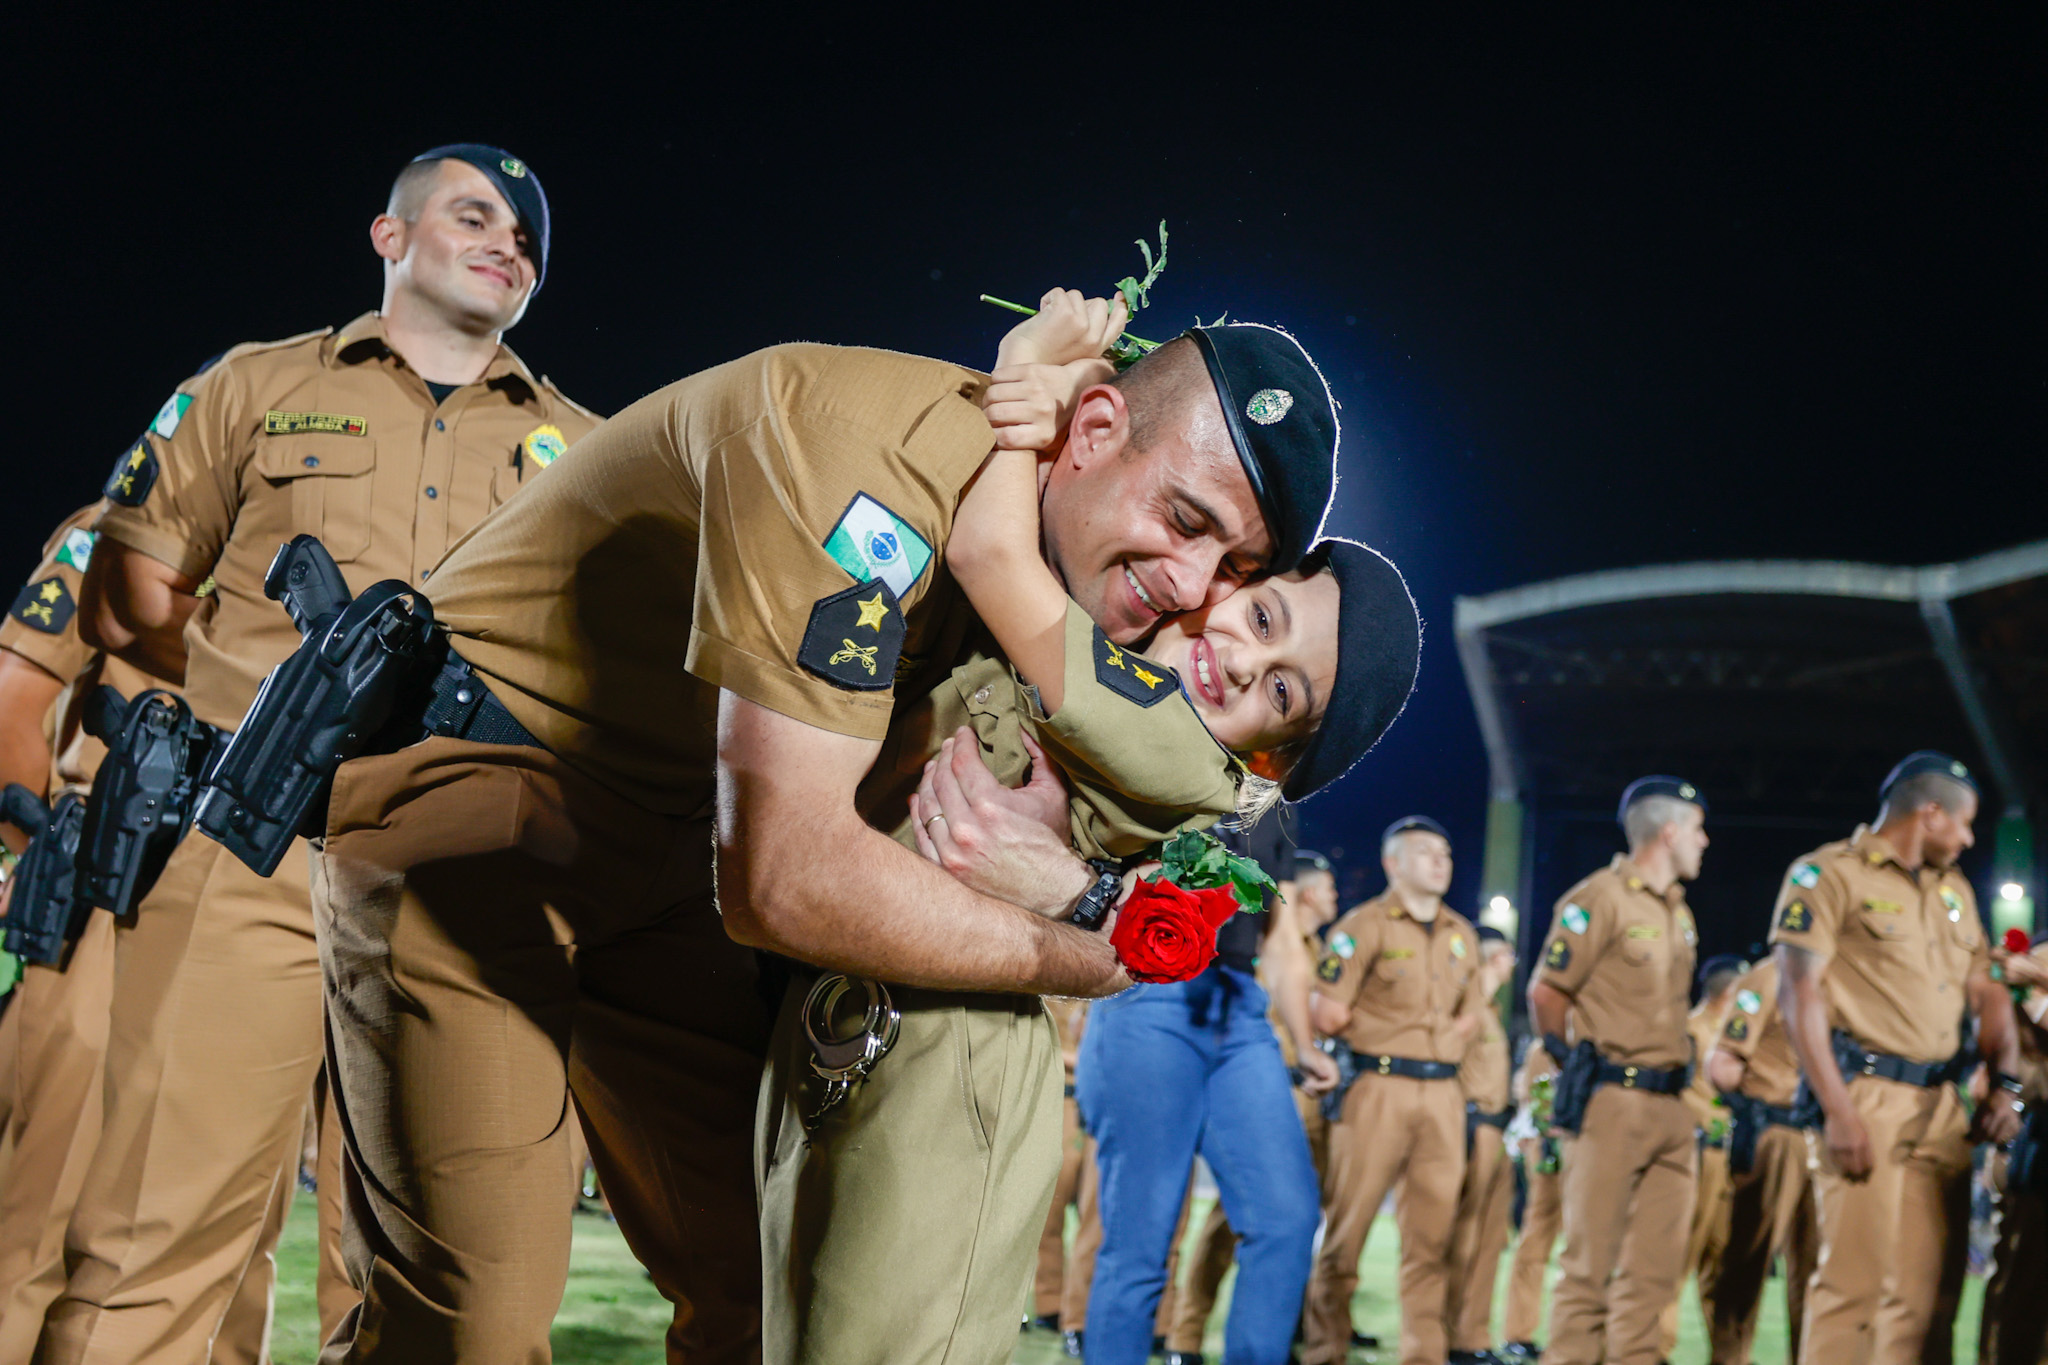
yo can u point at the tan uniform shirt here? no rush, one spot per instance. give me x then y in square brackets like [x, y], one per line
[1700, 1095]
[1900, 944]
[1624, 954]
[331, 434]
[1483, 1075]
[1754, 1030]
[1406, 982]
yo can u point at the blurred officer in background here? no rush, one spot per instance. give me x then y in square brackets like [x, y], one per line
[1709, 1234]
[1538, 1151]
[1484, 1203]
[2015, 1322]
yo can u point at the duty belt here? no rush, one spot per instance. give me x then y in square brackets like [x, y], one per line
[1414, 1069]
[457, 705]
[1656, 1080]
[1776, 1115]
[1856, 1060]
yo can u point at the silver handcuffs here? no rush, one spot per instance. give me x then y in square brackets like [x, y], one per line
[840, 1062]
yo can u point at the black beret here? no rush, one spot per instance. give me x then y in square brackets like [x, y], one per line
[1489, 934]
[1408, 822]
[1284, 424]
[1308, 857]
[517, 182]
[1645, 787]
[1721, 962]
[1923, 762]
[1379, 647]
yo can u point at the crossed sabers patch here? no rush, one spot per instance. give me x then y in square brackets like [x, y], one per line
[1131, 676]
[46, 605]
[854, 638]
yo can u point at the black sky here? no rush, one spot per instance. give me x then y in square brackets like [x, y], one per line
[1598, 287]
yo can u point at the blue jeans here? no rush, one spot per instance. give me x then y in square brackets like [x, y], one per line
[1167, 1071]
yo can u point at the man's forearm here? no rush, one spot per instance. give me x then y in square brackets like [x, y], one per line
[1805, 1010]
[1998, 1040]
[1285, 957]
[1550, 1008]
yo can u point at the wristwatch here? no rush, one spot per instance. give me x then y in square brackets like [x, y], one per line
[2010, 1084]
[1100, 898]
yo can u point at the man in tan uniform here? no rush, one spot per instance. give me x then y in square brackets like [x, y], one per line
[1880, 955]
[1616, 971]
[1770, 1199]
[792, 508]
[1048, 1286]
[388, 439]
[1484, 1203]
[1542, 1209]
[1400, 984]
[2015, 1318]
[1709, 1235]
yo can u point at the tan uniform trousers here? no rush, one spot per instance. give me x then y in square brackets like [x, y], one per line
[453, 880]
[903, 1231]
[1770, 1212]
[1542, 1223]
[1628, 1195]
[1088, 1243]
[1215, 1246]
[1478, 1239]
[2015, 1324]
[213, 1041]
[1705, 1245]
[1066, 1191]
[1394, 1129]
[1887, 1242]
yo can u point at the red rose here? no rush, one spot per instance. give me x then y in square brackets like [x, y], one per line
[2016, 941]
[1166, 932]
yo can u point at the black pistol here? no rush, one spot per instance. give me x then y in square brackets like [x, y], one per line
[46, 913]
[317, 709]
[142, 795]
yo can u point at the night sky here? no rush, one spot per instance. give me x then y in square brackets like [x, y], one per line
[1595, 288]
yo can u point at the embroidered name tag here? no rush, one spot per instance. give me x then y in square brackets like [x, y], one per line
[1879, 907]
[1644, 931]
[277, 423]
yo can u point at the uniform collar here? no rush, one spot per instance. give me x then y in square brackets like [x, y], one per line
[1874, 850]
[365, 339]
[1396, 910]
[1632, 877]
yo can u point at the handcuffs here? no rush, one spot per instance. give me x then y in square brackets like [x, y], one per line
[837, 1061]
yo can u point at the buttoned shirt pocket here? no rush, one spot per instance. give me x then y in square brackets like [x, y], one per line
[329, 477]
[1889, 925]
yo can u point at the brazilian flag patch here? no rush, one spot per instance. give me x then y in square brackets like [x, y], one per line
[1795, 918]
[134, 474]
[46, 606]
[854, 637]
[1560, 955]
[1132, 676]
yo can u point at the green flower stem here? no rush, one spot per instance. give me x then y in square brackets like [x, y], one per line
[1139, 342]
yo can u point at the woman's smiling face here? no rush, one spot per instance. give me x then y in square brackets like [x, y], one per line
[1260, 664]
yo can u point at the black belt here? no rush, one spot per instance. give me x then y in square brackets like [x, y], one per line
[1371, 1065]
[459, 706]
[1772, 1115]
[1857, 1060]
[1478, 1115]
[1658, 1081]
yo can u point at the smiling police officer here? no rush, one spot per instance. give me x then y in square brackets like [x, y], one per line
[389, 439]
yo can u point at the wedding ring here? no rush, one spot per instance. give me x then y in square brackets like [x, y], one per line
[928, 822]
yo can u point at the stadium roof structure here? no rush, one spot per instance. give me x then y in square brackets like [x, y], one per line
[1784, 688]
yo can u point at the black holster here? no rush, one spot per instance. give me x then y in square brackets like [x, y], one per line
[319, 708]
[142, 795]
[1573, 1089]
[47, 912]
[1477, 1118]
[1745, 1126]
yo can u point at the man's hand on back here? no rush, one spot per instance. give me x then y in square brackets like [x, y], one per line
[1007, 843]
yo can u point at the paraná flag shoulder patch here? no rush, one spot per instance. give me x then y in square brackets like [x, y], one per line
[1795, 918]
[1748, 1001]
[854, 638]
[1806, 875]
[46, 606]
[77, 548]
[134, 475]
[1132, 676]
[170, 414]
[872, 543]
[1575, 918]
[1343, 945]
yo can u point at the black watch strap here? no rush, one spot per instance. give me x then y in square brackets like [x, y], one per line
[2010, 1084]
[1100, 898]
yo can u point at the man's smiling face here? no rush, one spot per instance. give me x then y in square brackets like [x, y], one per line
[464, 255]
[1139, 534]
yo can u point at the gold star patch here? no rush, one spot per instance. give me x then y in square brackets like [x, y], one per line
[871, 613]
[1146, 676]
[46, 606]
[1129, 675]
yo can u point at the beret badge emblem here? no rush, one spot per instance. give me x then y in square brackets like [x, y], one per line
[1269, 406]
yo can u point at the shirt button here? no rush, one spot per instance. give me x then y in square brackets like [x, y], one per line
[981, 696]
[433, 492]
[440, 425]
[312, 462]
[425, 574]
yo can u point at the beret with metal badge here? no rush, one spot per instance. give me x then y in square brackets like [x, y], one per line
[1379, 648]
[1922, 762]
[1644, 788]
[517, 182]
[1284, 424]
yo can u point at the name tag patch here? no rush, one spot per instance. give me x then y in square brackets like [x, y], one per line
[1644, 931]
[854, 638]
[1879, 907]
[1396, 954]
[277, 423]
[134, 475]
[46, 606]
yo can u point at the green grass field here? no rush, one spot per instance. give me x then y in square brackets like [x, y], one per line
[612, 1316]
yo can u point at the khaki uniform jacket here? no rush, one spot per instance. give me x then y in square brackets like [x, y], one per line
[1700, 1095]
[1407, 983]
[329, 434]
[1754, 1030]
[1624, 954]
[1900, 944]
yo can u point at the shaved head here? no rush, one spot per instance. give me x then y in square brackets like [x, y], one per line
[1169, 393]
[412, 189]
